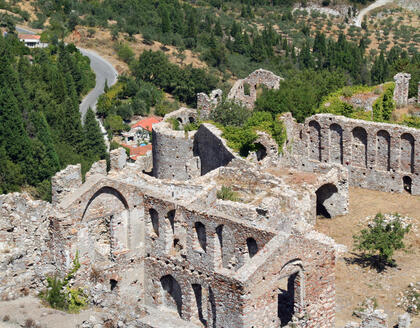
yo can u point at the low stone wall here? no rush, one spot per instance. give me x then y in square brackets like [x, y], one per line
[378, 156]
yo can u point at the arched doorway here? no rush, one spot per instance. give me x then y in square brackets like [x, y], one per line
[323, 200]
[407, 184]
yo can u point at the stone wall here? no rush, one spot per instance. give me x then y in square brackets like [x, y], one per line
[378, 156]
[25, 245]
[173, 156]
[256, 78]
[402, 81]
[211, 148]
[205, 103]
[65, 182]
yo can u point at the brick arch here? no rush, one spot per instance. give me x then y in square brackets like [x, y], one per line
[383, 150]
[336, 143]
[314, 141]
[106, 190]
[291, 299]
[359, 147]
[407, 153]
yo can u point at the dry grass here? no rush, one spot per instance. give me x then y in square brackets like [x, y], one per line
[103, 44]
[353, 282]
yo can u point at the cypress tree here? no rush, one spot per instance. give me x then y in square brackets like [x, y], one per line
[94, 145]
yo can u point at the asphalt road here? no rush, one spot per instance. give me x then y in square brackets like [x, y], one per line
[104, 72]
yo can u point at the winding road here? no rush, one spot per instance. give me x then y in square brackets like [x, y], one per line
[378, 3]
[104, 71]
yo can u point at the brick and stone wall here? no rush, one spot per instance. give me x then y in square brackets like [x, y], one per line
[378, 156]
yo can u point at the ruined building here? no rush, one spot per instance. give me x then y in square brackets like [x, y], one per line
[160, 249]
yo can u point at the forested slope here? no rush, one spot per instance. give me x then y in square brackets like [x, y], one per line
[40, 126]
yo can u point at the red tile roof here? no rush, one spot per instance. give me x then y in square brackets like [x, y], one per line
[29, 37]
[138, 151]
[147, 123]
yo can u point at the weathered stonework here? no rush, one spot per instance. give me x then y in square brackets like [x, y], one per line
[251, 82]
[66, 182]
[163, 251]
[378, 156]
[402, 81]
[205, 103]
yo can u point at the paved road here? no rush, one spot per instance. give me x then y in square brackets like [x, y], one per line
[378, 3]
[104, 72]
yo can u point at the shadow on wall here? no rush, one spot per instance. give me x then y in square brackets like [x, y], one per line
[322, 195]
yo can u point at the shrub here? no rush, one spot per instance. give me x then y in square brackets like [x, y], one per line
[174, 123]
[59, 295]
[382, 238]
[226, 193]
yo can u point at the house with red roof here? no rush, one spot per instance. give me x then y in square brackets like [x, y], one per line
[140, 131]
[32, 41]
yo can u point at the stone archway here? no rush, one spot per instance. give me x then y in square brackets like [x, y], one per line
[104, 228]
[291, 292]
[325, 200]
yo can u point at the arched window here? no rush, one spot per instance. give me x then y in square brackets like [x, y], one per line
[200, 230]
[154, 216]
[252, 247]
[171, 293]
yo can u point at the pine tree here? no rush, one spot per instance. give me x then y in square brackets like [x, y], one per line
[94, 145]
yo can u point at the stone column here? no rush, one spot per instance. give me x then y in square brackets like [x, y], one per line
[418, 96]
[402, 81]
[395, 151]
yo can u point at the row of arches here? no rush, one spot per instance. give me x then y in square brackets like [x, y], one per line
[174, 235]
[359, 147]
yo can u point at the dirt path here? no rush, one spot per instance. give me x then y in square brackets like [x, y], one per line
[378, 3]
[354, 283]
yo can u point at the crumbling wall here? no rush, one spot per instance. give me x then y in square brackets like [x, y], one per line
[251, 82]
[25, 245]
[205, 103]
[402, 81]
[183, 116]
[298, 287]
[173, 156]
[378, 156]
[211, 148]
[65, 182]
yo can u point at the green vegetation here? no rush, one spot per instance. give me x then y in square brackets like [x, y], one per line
[381, 239]
[226, 193]
[182, 83]
[239, 126]
[59, 295]
[40, 125]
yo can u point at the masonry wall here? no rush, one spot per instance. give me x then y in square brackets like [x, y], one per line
[197, 254]
[211, 148]
[311, 263]
[173, 156]
[253, 80]
[378, 156]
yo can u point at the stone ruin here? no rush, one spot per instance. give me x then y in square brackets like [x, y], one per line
[158, 248]
[402, 81]
[378, 156]
[243, 91]
[252, 82]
